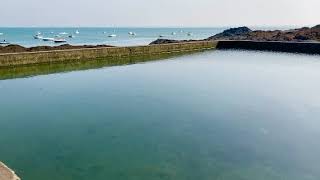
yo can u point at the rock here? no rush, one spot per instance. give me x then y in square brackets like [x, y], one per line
[316, 27]
[164, 41]
[6, 173]
[244, 33]
[233, 32]
[169, 41]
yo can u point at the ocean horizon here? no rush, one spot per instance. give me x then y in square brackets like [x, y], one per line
[24, 36]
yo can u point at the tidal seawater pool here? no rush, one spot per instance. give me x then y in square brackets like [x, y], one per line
[223, 115]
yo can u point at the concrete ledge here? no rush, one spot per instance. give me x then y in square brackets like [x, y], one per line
[27, 58]
[276, 46]
[29, 70]
[6, 173]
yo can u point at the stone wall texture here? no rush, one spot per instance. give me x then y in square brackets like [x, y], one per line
[27, 58]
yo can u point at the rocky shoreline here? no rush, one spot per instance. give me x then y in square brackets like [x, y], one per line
[6, 173]
[304, 34]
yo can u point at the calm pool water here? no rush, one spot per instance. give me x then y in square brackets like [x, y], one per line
[224, 115]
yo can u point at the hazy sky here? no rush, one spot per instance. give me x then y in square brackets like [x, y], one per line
[158, 12]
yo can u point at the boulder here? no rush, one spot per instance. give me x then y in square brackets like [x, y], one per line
[239, 33]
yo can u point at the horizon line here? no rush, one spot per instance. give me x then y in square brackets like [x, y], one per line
[222, 26]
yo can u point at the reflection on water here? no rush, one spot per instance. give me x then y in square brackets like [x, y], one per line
[217, 115]
[60, 67]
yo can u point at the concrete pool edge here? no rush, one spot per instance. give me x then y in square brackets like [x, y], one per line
[273, 46]
[6, 173]
[28, 58]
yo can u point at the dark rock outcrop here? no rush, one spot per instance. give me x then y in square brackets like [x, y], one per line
[169, 41]
[304, 34]
[243, 33]
[240, 32]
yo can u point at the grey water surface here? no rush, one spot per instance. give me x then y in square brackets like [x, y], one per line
[224, 115]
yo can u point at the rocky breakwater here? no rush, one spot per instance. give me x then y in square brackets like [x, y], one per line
[6, 173]
[302, 40]
[304, 34]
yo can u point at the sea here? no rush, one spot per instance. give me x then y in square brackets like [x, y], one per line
[95, 36]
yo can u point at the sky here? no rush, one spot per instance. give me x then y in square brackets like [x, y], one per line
[158, 13]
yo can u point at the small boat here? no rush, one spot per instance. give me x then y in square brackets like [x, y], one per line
[47, 39]
[132, 33]
[173, 33]
[161, 35]
[71, 36]
[63, 33]
[77, 32]
[190, 34]
[1, 34]
[112, 35]
[4, 42]
[60, 40]
[38, 36]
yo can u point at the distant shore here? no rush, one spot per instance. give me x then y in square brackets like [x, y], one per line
[304, 34]
[302, 40]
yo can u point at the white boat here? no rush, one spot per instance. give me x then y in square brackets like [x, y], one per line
[77, 32]
[63, 33]
[132, 33]
[38, 36]
[173, 33]
[71, 36]
[112, 35]
[4, 42]
[60, 40]
[47, 39]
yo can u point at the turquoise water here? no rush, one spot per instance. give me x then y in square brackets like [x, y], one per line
[93, 36]
[225, 115]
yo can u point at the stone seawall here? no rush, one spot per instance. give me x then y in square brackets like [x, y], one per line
[29, 58]
[276, 46]
[6, 173]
